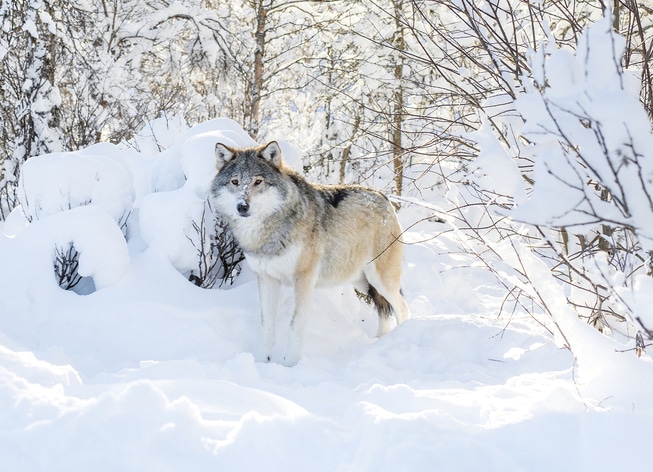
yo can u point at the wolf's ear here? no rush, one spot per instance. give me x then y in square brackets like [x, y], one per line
[272, 153]
[223, 154]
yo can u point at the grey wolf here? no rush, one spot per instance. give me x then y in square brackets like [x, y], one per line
[304, 235]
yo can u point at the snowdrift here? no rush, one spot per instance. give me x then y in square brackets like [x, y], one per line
[137, 368]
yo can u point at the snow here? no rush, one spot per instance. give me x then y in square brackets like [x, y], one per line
[587, 125]
[147, 371]
[137, 368]
[57, 182]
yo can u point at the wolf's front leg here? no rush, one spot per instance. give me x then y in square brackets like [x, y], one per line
[304, 288]
[268, 288]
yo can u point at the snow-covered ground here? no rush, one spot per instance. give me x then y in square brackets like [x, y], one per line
[142, 370]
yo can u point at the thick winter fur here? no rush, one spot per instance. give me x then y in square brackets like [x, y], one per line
[305, 235]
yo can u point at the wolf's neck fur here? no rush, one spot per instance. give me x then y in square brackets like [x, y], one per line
[270, 235]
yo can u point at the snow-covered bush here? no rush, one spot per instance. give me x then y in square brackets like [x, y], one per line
[174, 219]
[54, 183]
[83, 244]
[97, 175]
[154, 189]
[592, 146]
[571, 158]
[590, 138]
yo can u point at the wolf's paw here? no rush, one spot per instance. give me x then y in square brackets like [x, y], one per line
[290, 360]
[263, 357]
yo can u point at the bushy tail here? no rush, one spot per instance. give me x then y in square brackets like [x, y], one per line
[382, 305]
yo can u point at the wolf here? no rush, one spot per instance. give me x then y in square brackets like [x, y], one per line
[305, 235]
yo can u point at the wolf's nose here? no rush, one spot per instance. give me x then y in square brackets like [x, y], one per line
[243, 208]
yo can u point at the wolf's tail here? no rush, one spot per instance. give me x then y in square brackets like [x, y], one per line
[382, 305]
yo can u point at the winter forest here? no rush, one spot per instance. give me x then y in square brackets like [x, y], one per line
[514, 138]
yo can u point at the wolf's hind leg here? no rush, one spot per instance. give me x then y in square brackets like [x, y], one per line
[392, 303]
[386, 295]
[384, 274]
[399, 306]
[269, 295]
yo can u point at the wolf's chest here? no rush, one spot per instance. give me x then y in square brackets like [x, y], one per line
[281, 267]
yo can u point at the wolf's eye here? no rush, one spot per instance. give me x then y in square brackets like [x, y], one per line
[234, 181]
[258, 181]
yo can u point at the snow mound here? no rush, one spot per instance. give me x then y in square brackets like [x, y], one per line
[148, 371]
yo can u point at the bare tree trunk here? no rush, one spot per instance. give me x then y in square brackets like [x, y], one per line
[399, 46]
[262, 8]
[346, 152]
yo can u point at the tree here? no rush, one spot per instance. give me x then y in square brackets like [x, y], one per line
[286, 35]
[574, 158]
[362, 80]
[29, 98]
[399, 45]
[634, 20]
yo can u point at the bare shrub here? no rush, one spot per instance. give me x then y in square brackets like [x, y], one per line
[219, 257]
[66, 265]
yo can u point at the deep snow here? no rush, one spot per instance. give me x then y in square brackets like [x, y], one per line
[146, 371]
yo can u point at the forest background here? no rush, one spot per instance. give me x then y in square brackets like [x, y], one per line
[486, 106]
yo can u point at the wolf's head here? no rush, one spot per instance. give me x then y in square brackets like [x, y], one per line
[248, 182]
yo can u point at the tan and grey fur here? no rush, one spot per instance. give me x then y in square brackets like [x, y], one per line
[304, 235]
